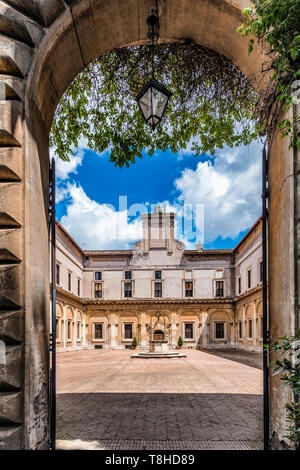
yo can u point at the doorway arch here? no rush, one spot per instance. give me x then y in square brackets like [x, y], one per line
[45, 44]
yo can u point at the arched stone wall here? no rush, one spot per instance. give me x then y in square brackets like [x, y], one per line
[219, 317]
[43, 45]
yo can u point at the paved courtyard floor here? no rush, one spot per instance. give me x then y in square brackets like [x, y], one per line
[204, 401]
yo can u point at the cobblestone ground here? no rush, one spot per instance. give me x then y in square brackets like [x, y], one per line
[204, 401]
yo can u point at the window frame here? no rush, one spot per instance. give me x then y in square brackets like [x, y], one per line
[58, 329]
[159, 278]
[249, 278]
[57, 273]
[219, 289]
[126, 273]
[186, 290]
[239, 285]
[96, 276]
[260, 267]
[184, 323]
[79, 330]
[98, 323]
[127, 290]
[124, 324]
[78, 287]
[220, 322]
[69, 281]
[98, 290]
[69, 323]
[250, 322]
[161, 289]
[240, 329]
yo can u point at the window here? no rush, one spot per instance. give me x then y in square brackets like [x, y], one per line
[69, 281]
[128, 330]
[240, 330]
[98, 290]
[249, 279]
[157, 274]
[188, 289]
[127, 274]
[260, 271]
[128, 289]
[69, 330]
[57, 274]
[219, 330]
[98, 331]
[239, 285]
[98, 276]
[78, 287]
[188, 331]
[57, 330]
[219, 288]
[250, 328]
[158, 289]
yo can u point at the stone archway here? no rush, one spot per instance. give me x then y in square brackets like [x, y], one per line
[42, 47]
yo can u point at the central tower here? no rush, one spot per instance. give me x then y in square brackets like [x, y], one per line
[158, 230]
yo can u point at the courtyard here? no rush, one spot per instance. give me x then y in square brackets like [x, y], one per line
[207, 400]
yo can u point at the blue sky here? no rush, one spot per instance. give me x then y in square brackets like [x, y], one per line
[219, 197]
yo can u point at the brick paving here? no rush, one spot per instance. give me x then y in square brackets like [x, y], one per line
[203, 401]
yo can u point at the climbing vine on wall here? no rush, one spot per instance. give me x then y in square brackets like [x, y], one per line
[286, 365]
[277, 23]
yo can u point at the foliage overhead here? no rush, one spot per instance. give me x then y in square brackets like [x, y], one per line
[277, 23]
[213, 104]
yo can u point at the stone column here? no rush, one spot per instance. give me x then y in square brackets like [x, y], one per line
[112, 330]
[143, 331]
[205, 330]
[173, 330]
[244, 327]
[64, 328]
[75, 330]
[83, 331]
[255, 326]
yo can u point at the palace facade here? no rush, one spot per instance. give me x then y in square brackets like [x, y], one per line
[211, 298]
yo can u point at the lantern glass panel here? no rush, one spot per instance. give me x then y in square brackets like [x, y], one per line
[159, 102]
[146, 105]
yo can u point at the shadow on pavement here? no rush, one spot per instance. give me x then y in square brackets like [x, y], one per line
[159, 417]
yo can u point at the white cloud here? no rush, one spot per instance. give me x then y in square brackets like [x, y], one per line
[229, 190]
[98, 226]
[65, 168]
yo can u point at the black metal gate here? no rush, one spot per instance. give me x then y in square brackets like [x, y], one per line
[265, 196]
[52, 391]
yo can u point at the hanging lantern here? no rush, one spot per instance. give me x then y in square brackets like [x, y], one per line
[153, 100]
